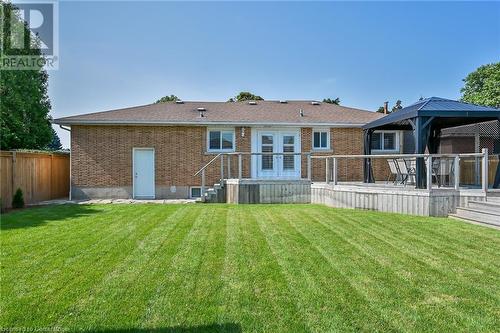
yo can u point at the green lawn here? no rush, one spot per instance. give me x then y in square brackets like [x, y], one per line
[248, 268]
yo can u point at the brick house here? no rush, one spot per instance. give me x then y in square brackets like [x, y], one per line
[154, 151]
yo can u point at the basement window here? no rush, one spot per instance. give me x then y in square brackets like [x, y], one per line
[195, 192]
[220, 140]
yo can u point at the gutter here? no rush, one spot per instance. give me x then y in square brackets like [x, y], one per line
[62, 122]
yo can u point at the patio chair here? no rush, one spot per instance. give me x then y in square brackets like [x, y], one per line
[394, 171]
[411, 165]
[403, 170]
[442, 168]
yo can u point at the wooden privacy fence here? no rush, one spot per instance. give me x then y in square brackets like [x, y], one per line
[41, 176]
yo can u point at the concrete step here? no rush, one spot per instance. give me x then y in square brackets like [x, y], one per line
[478, 215]
[488, 206]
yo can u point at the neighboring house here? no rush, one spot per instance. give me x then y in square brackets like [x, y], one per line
[155, 150]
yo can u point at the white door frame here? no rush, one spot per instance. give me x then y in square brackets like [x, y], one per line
[278, 137]
[134, 177]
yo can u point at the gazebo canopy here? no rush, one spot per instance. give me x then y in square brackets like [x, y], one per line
[446, 113]
[426, 118]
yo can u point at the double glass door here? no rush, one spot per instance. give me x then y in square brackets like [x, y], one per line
[278, 165]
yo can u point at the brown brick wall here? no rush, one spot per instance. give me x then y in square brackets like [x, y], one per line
[343, 141]
[101, 156]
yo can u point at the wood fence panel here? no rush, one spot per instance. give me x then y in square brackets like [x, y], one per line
[468, 171]
[41, 176]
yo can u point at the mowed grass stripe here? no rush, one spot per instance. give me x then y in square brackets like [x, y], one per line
[175, 301]
[328, 300]
[135, 278]
[449, 298]
[73, 265]
[256, 293]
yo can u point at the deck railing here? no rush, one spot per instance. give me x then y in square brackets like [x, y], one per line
[332, 165]
[226, 158]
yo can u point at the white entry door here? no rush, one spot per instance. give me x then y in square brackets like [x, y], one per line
[144, 173]
[278, 166]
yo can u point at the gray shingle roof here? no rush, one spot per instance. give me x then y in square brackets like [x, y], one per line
[264, 112]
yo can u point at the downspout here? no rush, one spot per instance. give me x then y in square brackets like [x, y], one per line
[70, 150]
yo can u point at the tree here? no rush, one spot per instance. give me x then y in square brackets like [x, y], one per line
[55, 144]
[335, 101]
[380, 109]
[483, 86]
[397, 106]
[25, 105]
[171, 98]
[246, 96]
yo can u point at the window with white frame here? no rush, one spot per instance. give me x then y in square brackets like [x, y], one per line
[220, 140]
[195, 192]
[385, 141]
[321, 139]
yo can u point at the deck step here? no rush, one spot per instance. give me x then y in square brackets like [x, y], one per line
[460, 218]
[488, 206]
[478, 215]
[494, 199]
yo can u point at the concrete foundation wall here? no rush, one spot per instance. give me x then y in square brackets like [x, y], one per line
[125, 192]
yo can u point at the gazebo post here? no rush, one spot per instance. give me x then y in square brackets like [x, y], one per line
[367, 150]
[420, 180]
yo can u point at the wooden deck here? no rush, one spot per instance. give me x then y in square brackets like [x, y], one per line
[395, 199]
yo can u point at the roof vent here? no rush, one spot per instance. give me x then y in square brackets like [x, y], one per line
[202, 112]
[179, 102]
[283, 102]
[314, 103]
[301, 112]
[252, 102]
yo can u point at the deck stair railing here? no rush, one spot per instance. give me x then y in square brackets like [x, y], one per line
[225, 165]
[432, 169]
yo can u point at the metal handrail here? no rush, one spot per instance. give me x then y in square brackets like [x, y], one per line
[400, 156]
[206, 165]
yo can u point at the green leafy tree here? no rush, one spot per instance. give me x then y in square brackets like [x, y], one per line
[380, 109]
[397, 106]
[171, 98]
[25, 105]
[483, 86]
[246, 96]
[335, 101]
[55, 144]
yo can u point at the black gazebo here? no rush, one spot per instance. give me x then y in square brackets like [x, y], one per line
[426, 118]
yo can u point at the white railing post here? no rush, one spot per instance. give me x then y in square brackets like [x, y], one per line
[240, 171]
[203, 183]
[309, 170]
[429, 173]
[484, 178]
[334, 175]
[327, 170]
[229, 166]
[221, 168]
[457, 172]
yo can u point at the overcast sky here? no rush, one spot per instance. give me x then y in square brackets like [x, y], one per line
[119, 54]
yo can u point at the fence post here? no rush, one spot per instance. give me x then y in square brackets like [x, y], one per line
[327, 170]
[334, 176]
[484, 178]
[240, 172]
[429, 173]
[229, 166]
[457, 172]
[309, 173]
